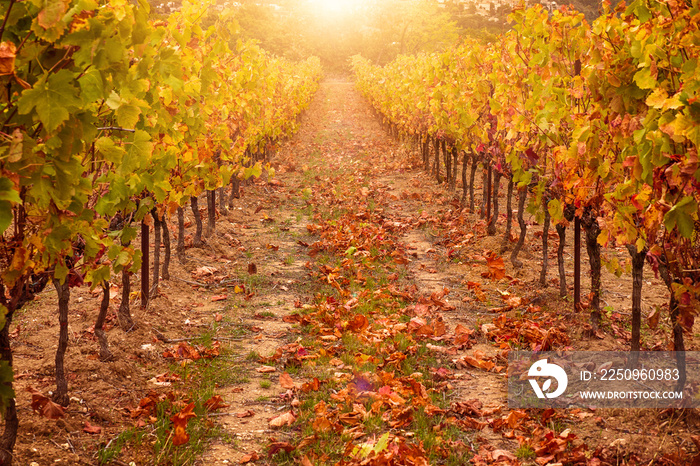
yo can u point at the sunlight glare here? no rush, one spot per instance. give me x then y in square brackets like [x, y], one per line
[335, 7]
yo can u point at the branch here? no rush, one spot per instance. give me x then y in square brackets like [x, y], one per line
[7, 16]
[116, 128]
[192, 283]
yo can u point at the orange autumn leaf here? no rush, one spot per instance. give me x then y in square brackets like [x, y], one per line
[312, 386]
[462, 335]
[496, 267]
[473, 285]
[286, 382]
[209, 353]
[183, 351]
[515, 418]
[276, 447]
[653, 319]
[201, 272]
[504, 456]
[439, 327]
[513, 301]
[358, 323]
[214, 403]
[322, 424]
[180, 420]
[478, 363]
[286, 419]
[249, 457]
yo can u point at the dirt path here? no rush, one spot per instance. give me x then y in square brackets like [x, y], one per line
[337, 136]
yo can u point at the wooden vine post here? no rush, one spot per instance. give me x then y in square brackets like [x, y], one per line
[577, 264]
[145, 240]
[488, 194]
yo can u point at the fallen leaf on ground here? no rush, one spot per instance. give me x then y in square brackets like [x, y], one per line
[44, 406]
[204, 271]
[515, 418]
[503, 455]
[276, 447]
[180, 420]
[474, 362]
[441, 349]
[265, 369]
[496, 267]
[90, 429]
[249, 457]
[214, 403]
[358, 323]
[286, 382]
[312, 386]
[286, 419]
[653, 319]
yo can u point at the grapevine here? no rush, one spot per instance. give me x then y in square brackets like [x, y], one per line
[110, 119]
[598, 123]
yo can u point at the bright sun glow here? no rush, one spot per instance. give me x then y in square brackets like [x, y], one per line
[336, 7]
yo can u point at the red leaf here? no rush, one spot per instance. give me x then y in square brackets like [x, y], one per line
[180, 420]
[214, 403]
[314, 385]
[52, 410]
[90, 429]
[44, 406]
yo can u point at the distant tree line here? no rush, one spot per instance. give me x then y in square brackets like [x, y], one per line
[378, 29]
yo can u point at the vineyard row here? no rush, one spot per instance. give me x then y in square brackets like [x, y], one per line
[110, 120]
[598, 125]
